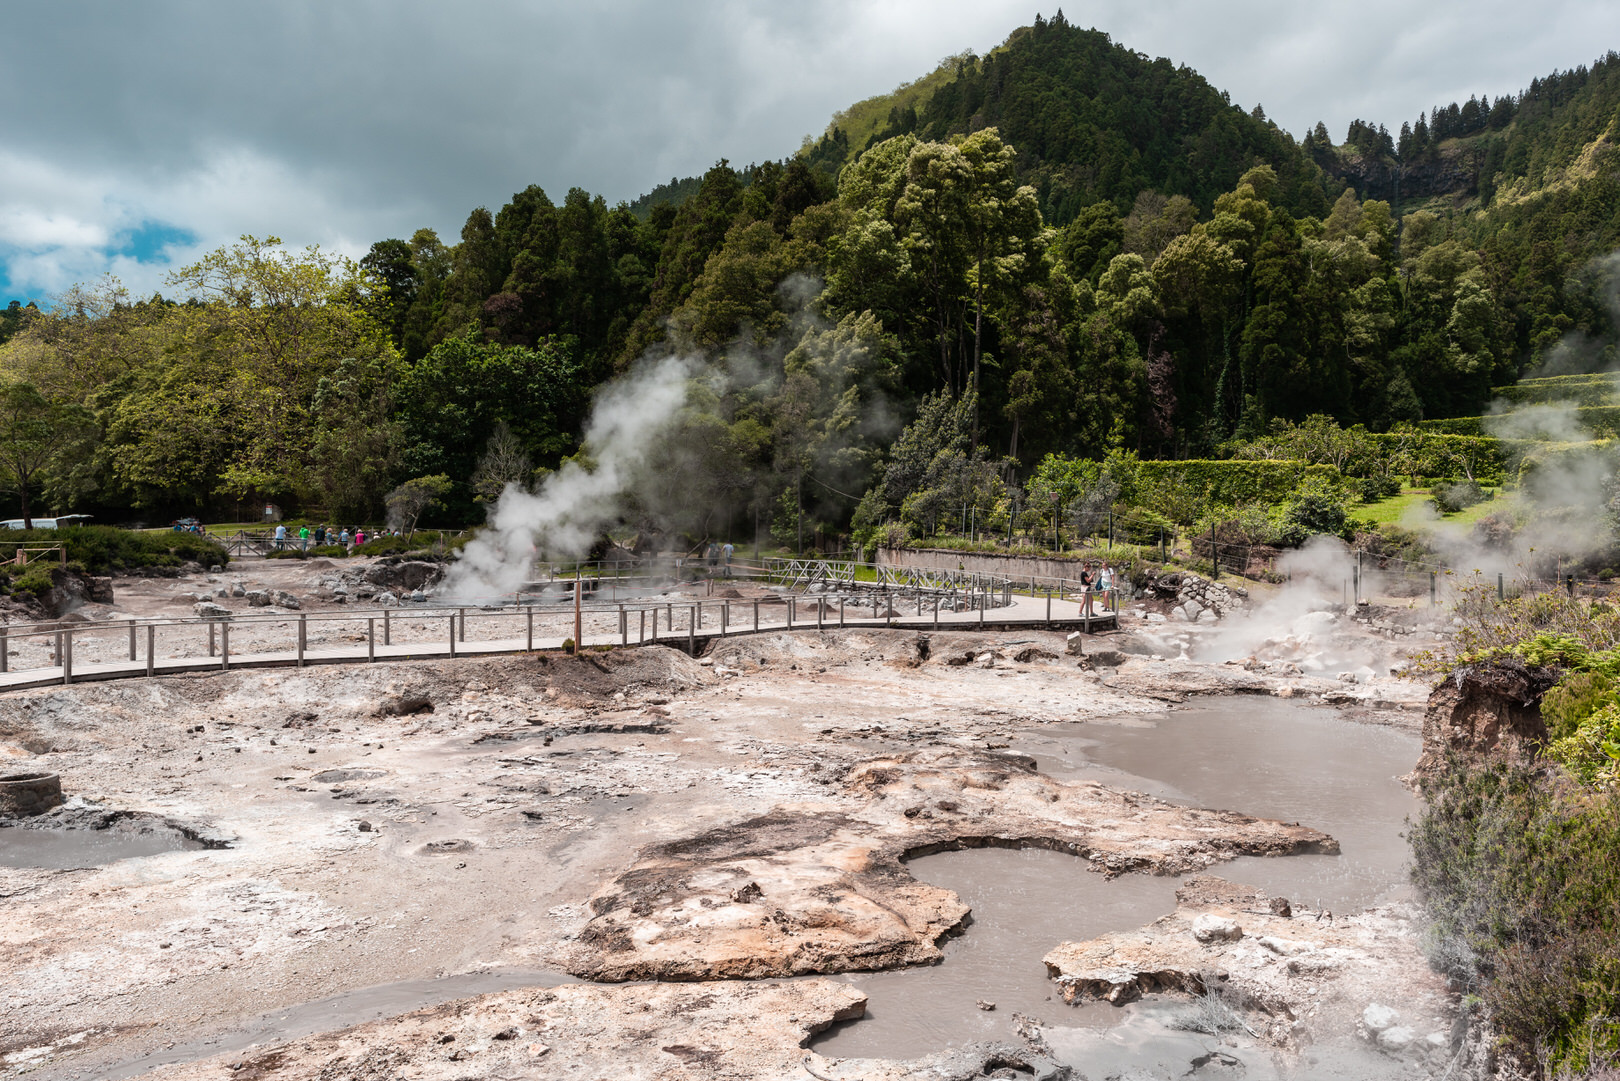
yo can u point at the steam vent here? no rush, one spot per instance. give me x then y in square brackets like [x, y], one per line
[25, 794]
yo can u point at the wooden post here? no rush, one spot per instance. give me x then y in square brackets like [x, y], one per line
[462, 612]
[1431, 588]
[841, 601]
[452, 635]
[818, 614]
[131, 643]
[579, 596]
[64, 645]
[756, 616]
[1049, 607]
[691, 631]
[936, 612]
[151, 647]
[528, 641]
[641, 635]
[388, 637]
[5, 648]
[371, 638]
[624, 627]
[303, 639]
[790, 608]
[224, 647]
[210, 638]
[725, 617]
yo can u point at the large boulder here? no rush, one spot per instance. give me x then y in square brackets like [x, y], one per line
[1484, 711]
[71, 590]
[405, 576]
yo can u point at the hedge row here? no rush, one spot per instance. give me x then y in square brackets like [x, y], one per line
[1440, 454]
[1600, 420]
[1578, 466]
[1236, 480]
[104, 549]
[1589, 390]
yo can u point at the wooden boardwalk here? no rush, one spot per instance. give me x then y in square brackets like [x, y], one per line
[697, 625]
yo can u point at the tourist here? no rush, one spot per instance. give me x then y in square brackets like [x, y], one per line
[726, 551]
[1088, 581]
[1105, 586]
[303, 538]
[281, 536]
[343, 538]
[320, 534]
[359, 536]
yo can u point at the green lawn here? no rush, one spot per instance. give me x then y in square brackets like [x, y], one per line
[1393, 510]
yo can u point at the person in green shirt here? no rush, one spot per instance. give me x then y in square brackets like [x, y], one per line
[303, 538]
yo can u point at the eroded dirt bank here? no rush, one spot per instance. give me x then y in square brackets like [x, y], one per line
[623, 815]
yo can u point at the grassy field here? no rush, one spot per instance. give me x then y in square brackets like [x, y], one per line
[1414, 502]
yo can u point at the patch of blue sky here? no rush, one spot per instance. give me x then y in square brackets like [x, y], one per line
[147, 244]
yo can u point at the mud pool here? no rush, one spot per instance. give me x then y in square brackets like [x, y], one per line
[63, 849]
[1261, 756]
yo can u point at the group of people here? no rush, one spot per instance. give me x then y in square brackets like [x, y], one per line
[717, 553]
[1095, 579]
[323, 535]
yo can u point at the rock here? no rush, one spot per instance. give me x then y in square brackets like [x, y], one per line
[210, 610]
[1209, 615]
[387, 600]
[221, 593]
[1106, 658]
[1285, 947]
[1377, 1018]
[747, 894]
[238, 591]
[1076, 645]
[1484, 711]
[402, 705]
[285, 599]
[1209, 927]
[985, 1005]
[1033, 654]
[215, 569]
[1398, 1038]
[1133, 644]
[258, 598]
[409, 574]
[1279, 905]
[366, 827]
[418, 597]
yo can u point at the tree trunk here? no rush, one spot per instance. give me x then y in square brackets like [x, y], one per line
[22, 493]
[978, 339]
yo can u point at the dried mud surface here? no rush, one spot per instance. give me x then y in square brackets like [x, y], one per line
[626, 814]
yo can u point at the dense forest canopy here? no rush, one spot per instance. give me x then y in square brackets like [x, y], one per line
[1061, 247]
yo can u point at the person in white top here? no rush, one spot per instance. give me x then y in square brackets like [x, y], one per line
[281, 536]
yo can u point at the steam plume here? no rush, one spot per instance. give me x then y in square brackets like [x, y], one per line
[572, 506]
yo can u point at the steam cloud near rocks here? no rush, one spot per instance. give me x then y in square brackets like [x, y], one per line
[572, 506]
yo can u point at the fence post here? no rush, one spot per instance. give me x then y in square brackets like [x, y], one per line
[691, 631]
[5, 648]
[1570, 583]
[210, 638]
[388, 627]
[224, 647]
[641, 635]
[131, 643]
[1501, 593]
[452, 634]
[462, 612]
[819, 609]
[792, 604]
[371, 638]
[528, 639]
[936, 611]
[725, 617]
[1049, 606]
[624, 627]
[756, 617]
[841, 601]
[1431, 588]
[151, 647]
[65, 655]
[303, 639]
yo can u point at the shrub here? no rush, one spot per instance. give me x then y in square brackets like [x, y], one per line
[1519, 869]
[1316, 508]
[1451, 498]
[1236, 481]
[1379, 487]
[105, 549]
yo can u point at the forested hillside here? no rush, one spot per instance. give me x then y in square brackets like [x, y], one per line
[1060, 247]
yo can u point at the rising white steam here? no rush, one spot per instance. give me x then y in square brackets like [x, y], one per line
[572, 506]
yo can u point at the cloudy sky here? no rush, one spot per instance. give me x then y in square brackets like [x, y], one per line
[137, 135]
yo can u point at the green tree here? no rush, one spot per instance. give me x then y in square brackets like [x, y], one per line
[39, 437]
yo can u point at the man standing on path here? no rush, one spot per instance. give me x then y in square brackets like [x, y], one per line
[303, 538]
[281, 536]
[726, 550]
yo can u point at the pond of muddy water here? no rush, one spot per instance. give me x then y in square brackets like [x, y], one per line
[60, 849]
[1260, 756]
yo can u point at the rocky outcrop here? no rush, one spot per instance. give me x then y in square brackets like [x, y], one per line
[814, 889]
[1484, 711]
[71, 590]
[405, 576]
[1194, 598]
